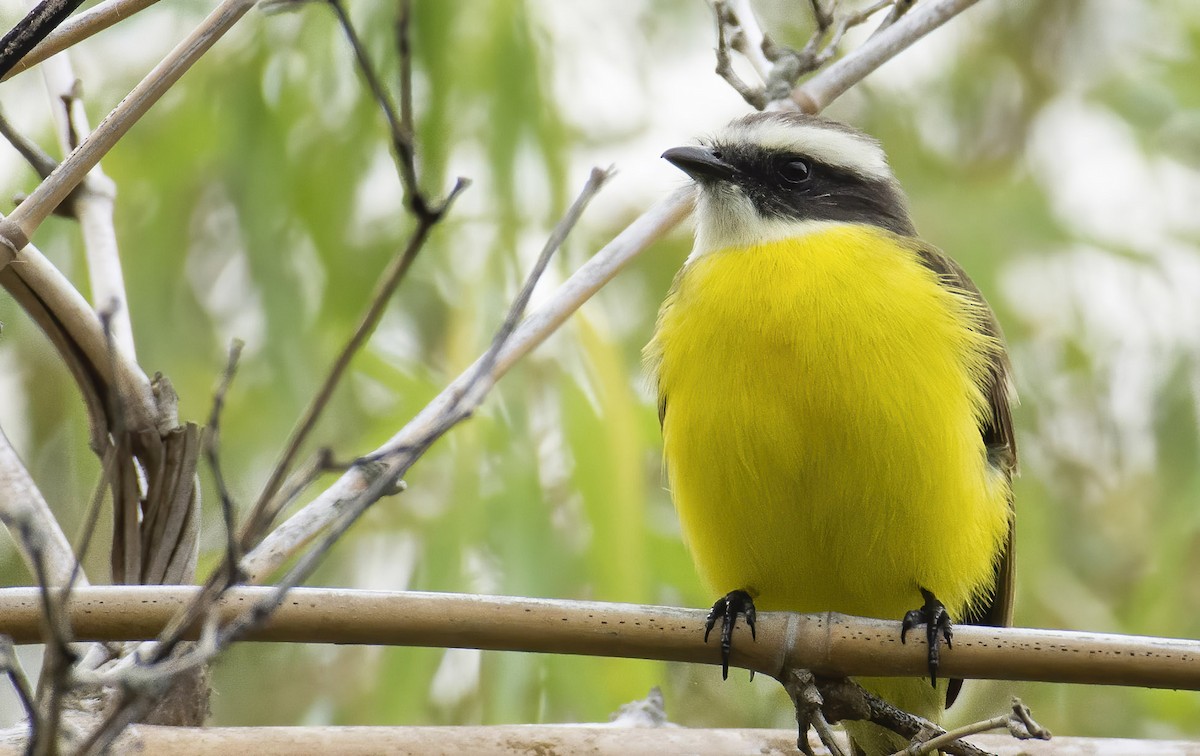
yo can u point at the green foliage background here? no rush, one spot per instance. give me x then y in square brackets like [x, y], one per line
[258, 200]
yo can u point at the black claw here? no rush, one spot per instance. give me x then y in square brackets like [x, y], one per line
[936, 619]
[727, 609]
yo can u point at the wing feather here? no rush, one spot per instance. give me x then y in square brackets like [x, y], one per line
[998, 438]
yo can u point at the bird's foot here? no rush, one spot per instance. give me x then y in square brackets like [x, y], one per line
[727, 608]
[936, 619]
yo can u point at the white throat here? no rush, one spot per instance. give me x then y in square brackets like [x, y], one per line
[725, 219]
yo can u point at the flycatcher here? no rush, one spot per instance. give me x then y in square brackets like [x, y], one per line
[834, 396]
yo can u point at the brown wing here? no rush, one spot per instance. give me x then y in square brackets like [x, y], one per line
[998, 438]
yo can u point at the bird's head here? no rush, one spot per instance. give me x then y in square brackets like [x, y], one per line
[774, 175]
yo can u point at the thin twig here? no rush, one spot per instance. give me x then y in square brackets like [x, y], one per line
[816, 93]
[400, 122]
[427, 214]
[404, 48]
[58, 658]
[727, 25]
[596, 180]
[92, 203]
[20, 682]
[90, 518]
[1018, 721]
[949, 736]
[38, 159]
[212, 442]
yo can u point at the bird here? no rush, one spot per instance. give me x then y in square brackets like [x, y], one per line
[835, 399]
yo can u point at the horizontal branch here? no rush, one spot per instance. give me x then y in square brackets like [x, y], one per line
[518, 740]
[828, 644]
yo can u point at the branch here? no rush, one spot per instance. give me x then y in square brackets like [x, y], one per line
[92, 204]
[78, 28]
[16, 230]
[11, 666]
[830, 644]
[47, 295]
[74, 328]
[32, 29]
[814, 95]
[780, 67]
[211, 443]
[522, 739]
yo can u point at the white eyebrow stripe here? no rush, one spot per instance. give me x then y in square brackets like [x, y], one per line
[852, 152]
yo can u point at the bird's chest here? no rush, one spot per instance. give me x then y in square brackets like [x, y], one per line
[819, 401]
[795, 339]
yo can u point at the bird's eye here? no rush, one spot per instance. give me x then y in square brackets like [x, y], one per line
[795, 171]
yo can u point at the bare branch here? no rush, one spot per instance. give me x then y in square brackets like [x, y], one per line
[32, 29]
[92, 204]
[728, 24]
[781, 67]
[520, 740]
[212, 440]
[816, 93]
[16, 230]
[487, 362]
[78, 28]
[427, 214]
[830, 644]
[11, 666]
[37, 158]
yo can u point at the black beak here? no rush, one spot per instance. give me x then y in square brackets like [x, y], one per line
[700, 163]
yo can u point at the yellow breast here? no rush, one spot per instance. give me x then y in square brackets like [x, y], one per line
[821, 429]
